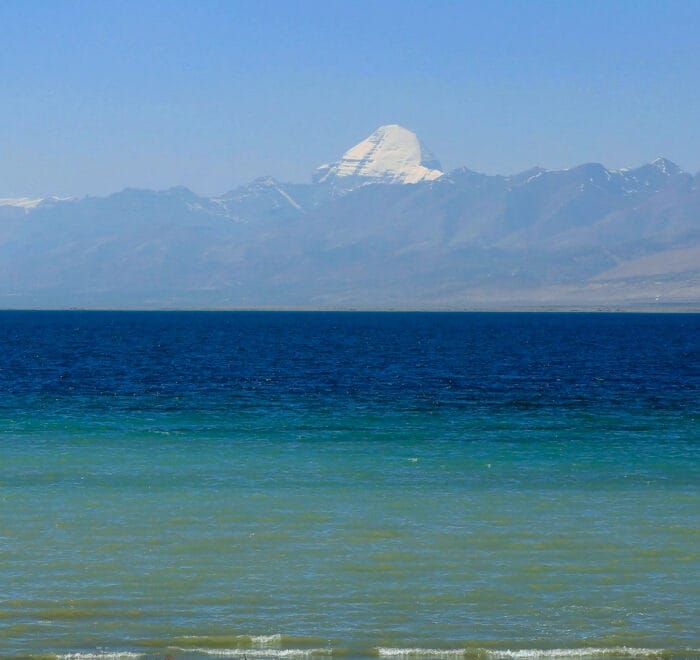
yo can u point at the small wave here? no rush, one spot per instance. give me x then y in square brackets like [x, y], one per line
[247, 641]
[385, 652]
[262, 653]
[250, 645]
[263, 641]
[100, 655]
[583, 653]
[524, 654]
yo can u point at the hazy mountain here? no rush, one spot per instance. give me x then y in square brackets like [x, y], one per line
[382, 227]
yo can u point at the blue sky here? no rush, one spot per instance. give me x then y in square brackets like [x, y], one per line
[97, 96]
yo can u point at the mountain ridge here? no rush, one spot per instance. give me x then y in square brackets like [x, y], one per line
[583, 235]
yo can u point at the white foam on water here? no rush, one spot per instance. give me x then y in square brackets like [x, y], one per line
[101, 655]
[388, 652]
[523, 654]
[265, 640]
[261, 652]
[553, 654]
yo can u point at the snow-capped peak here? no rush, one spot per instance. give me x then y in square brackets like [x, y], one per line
[392, 154]
[666, 166]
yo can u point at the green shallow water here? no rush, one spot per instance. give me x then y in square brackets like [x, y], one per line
[350, 536]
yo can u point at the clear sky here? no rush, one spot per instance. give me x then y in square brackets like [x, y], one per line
[97, 96]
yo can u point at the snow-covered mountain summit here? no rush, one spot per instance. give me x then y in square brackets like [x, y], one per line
[392, 154]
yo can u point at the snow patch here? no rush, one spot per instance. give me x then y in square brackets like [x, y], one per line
[21, 202]
[289, 198]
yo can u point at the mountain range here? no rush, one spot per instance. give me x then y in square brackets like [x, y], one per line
[383, 227]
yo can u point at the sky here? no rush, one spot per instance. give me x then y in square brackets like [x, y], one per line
[99, 96]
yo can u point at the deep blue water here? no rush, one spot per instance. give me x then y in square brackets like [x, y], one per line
[278, 484]
[400, 361]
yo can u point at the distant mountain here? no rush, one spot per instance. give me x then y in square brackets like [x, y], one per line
[384, 226]
[392, 154]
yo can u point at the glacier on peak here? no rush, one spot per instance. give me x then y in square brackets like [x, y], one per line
[392, 154]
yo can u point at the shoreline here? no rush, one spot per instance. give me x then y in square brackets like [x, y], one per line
[671, 308]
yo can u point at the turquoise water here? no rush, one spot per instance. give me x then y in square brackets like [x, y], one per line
[315, 499]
